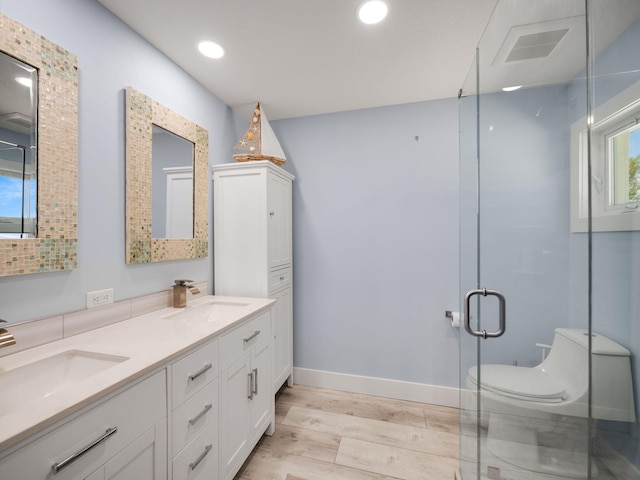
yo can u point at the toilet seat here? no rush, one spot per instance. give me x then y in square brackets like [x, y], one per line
[529, 384]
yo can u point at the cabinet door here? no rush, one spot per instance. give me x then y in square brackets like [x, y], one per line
[93, 438]
[239, 228]
[262, 392]
[97, 475]
[281, 314]
[144, 459]
[235, 388]
[279, 220]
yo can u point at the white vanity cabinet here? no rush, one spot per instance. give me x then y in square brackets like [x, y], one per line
[199, 397]
[247, 403]
[122, 437]
[252, 215]
[194, 418]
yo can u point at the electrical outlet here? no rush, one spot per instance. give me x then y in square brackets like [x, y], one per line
[99, 297]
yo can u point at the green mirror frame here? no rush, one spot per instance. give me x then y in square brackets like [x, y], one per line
[55, 247]
[142, 113]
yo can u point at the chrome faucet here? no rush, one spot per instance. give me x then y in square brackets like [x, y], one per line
[180, 292]
[6, 338]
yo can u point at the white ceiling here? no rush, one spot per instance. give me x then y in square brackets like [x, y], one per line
[306, 57]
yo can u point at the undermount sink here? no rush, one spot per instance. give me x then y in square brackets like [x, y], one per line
[45, 377]
[207, 311]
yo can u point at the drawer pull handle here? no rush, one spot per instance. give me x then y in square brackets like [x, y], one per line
[281, 278]
[56, 467]
[206, 408]
[255, 381]
[193, 376]
[252, 336]
[197, 461]
[250, 395]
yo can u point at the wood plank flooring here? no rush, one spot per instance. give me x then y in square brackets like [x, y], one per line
[327, 434]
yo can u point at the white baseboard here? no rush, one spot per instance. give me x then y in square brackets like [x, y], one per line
[381, 387]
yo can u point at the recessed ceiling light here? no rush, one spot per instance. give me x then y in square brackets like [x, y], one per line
[372, 12]
[511, 89]
[211, 49]
[24, 81]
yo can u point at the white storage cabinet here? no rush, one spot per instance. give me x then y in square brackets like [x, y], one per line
[246, 398]
[252, 218]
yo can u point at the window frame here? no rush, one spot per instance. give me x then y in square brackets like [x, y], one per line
[612, 116]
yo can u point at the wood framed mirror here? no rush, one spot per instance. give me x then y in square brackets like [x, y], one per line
[146, 119]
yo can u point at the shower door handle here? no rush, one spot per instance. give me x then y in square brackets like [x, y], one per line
[501, 315]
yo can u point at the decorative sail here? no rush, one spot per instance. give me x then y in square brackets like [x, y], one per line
[259, 141]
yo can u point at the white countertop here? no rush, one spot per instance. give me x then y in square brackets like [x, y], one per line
[149, 341]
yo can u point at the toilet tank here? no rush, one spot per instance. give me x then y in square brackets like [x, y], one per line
[612, 392]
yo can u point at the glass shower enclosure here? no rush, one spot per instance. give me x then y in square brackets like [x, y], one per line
[550, 243]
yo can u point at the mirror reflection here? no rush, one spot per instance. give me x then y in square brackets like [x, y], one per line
[163, 147]
[18, 140]
[172, 185]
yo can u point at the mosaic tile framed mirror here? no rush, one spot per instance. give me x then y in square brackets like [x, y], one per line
[38, 231]
[166, 183]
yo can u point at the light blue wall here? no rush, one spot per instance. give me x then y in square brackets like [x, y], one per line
[376, 240]
[111, 57]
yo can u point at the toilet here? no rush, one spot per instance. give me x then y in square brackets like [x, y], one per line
[537, 417]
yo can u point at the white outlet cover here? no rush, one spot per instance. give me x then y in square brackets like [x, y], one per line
[99, 297]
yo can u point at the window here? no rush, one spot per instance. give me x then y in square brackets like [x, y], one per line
[17, 195]
[615, 166]
[623, 157]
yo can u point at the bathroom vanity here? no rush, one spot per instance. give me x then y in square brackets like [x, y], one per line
[177, 393]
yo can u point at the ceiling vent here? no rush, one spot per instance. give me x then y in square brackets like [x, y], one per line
[16, 122]
[534, 41]
[535, 45]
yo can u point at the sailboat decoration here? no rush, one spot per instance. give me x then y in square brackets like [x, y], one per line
[259, 142]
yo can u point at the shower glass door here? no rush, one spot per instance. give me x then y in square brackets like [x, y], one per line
[517, 106]
[550, 221]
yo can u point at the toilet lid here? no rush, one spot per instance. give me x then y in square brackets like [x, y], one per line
[530, 383]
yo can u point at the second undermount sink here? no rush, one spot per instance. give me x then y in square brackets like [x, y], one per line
[208, 311]
[50, 375]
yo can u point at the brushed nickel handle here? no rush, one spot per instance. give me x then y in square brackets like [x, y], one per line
[252, 336]
[56, 467]
[501, 316]
[197, 461]
[206, 408]
[255, 381]
[250, 375]
[193, 376]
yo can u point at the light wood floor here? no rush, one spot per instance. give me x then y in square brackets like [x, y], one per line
[331, 435]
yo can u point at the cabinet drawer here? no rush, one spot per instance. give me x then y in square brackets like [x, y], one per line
[199, 460]
[132, 412]
[242, 338]
[279, 278]
[194, 415]
[193, 372]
